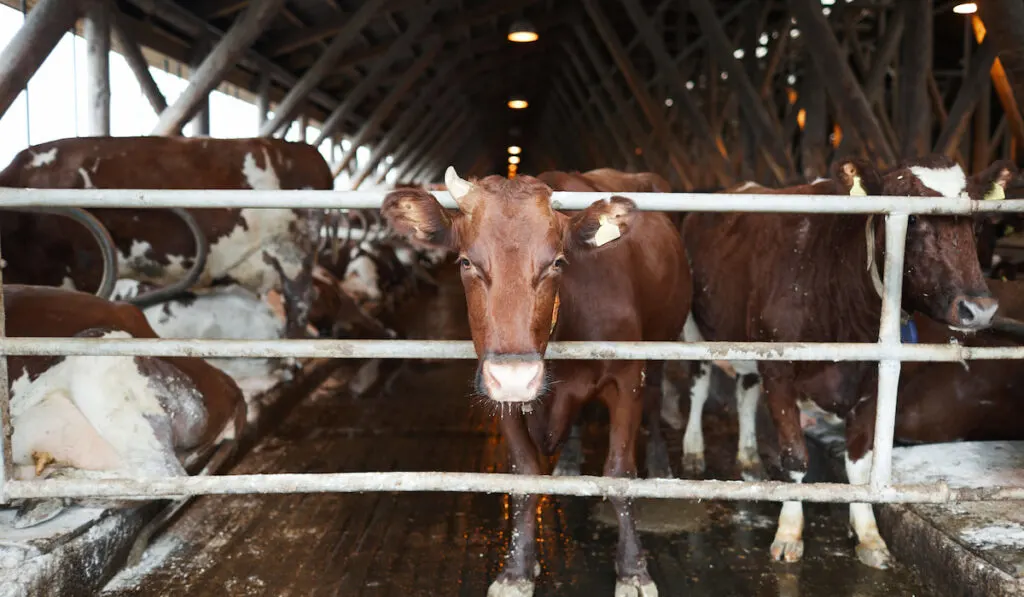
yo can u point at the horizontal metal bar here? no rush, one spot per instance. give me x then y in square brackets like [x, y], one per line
[463, 349]
[707, 202]
[176, 487]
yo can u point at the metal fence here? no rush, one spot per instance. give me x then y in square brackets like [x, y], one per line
[888, 351]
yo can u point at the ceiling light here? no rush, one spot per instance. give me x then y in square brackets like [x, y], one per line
[513, 159]
[514, 149]
[517, 102]
[966, 8]
[522, 31]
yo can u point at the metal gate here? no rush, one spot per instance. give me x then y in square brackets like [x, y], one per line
[889, 351]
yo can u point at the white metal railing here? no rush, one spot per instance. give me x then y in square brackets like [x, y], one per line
[889, 351]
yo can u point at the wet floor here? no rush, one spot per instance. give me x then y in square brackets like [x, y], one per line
[452, 544]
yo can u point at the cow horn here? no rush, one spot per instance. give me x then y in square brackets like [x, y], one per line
[457, 187]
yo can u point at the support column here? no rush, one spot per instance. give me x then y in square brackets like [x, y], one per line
[97, 60]
[44, 25]
[201, 121]
[243, 32]
[1004, 21]
[263, 98]
[913, 121]
[976, 86]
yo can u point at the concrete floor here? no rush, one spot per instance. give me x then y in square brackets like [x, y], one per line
[452, 544]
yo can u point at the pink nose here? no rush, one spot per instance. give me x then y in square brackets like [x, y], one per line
[515, 381]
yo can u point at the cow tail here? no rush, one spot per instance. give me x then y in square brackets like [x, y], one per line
[198, 265]
[99, 233]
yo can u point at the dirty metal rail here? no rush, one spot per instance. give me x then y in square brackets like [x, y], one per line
[711, 202]
[776, 491]
[889, 351]
[463, 349]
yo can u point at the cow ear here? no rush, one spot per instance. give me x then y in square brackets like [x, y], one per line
[601, 223]
[857, 177]
[416, 215]
[991, 182]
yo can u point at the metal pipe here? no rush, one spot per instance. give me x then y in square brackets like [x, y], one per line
[6, 430]
[399, 481]
[304, 199]
[97, 58]
[463, 349]
[889, 335]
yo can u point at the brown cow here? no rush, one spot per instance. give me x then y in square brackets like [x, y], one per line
[803, 278]
[946, 402]
[608, 180]
[155, 246]
[96, 416]
[516, 256]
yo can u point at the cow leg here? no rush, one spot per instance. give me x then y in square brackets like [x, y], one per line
[563, 429]
[788, 545]
[860, 434]
[670, 397]
[658, 466]
[625, 407]
[693, 438]
[748, 392]
[570, 458]
[521, 566]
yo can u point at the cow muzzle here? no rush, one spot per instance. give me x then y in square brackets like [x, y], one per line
[512, 379]
[972, 313]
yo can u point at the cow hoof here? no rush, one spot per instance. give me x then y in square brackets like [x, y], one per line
[35, 512]
[751, 467]
[787, 550]
[636, 586]
[504, 587]
[693, 465]
[874, 555]
[658, 466]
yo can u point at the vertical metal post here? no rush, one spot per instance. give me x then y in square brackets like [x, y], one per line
[263, 98]
[889, 334]
[6, 458]
[97, 53]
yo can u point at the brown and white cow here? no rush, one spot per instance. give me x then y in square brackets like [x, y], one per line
[808, 278]
[947, 402]
[107, 416]
[532, 274]
[155, 245]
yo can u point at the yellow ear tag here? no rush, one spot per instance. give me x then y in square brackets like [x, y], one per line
[998, 193]
[554, 315]
[857, 189]
[606, 233]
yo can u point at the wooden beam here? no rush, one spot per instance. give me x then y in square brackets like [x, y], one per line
[814, 136]
[603, 134]
[384, 108]
[243, 32]
[620, 110]
[96, 31]
[419, 161]
[763, 123]
[982, 125]
[322, 67]
[913, 118]
[137, 62]
[711, 142]
[263, 98]
[1000, 79]
[430, 100]
[201, 121]
[44, 26]
[1004, 21]
[426, 132]
[215, 9]
[292, 40]
[638, 87]
[603, 119]
[854, 110]
[379, 70]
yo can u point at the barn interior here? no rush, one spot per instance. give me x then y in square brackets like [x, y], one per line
[705, 93]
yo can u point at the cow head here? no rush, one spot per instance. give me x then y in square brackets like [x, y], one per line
[512, 250]
[942, 276]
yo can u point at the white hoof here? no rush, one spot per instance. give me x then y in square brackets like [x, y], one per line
[787, 550]
[874, 554]
[635, 587]
[693, 465]
[511, 588]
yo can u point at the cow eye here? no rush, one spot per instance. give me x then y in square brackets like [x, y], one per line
[464, 262]
[559, 262]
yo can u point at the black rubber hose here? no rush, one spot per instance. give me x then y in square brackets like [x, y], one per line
[98, 232]
[198, 265]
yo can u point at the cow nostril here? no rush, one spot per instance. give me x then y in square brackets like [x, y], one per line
[964, 312]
